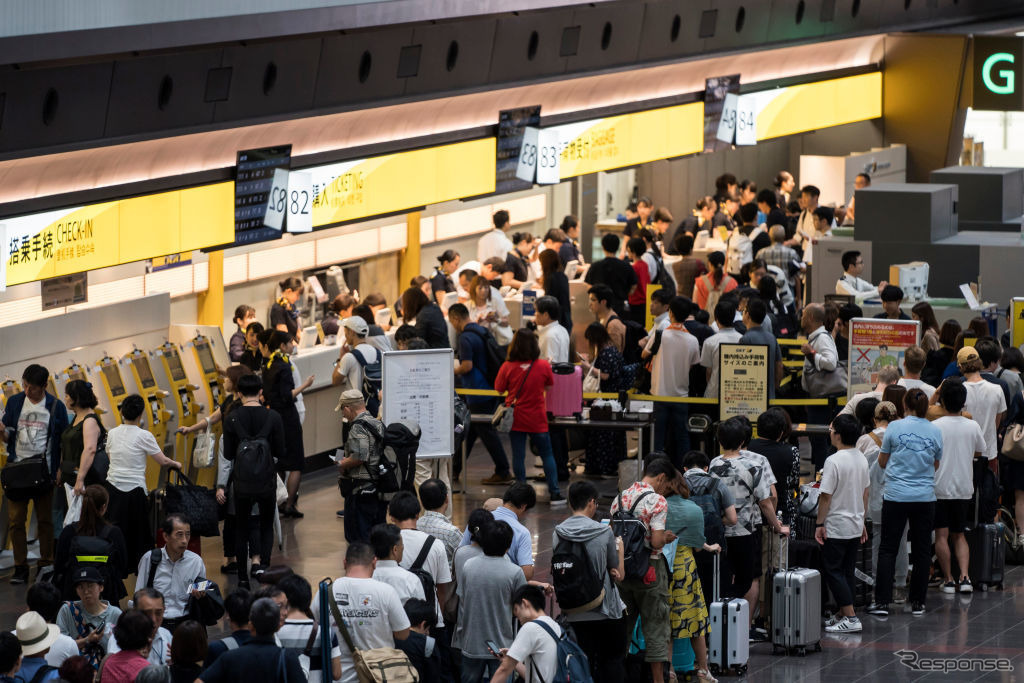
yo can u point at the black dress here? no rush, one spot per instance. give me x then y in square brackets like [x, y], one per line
[557, 285]
[278, 385]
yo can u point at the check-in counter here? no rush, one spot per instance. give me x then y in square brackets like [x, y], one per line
[945, 309]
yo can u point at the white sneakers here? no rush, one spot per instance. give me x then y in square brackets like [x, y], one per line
[844, 625]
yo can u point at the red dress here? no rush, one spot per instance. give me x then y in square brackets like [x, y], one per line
[531, 407]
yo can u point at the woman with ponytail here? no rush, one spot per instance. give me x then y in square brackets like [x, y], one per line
[280, 393]
[92, 542]
[284, 316]
[710, 287]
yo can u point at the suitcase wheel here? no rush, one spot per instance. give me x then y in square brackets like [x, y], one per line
[817, 647]
[715, 669]
[801, 652]
[741, 670]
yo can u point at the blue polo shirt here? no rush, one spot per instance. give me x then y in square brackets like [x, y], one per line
[914, 446]
[521, 551]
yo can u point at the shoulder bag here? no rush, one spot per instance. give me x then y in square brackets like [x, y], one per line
[1013, 443]
[504, 416]
[198, 503]
[27, 478]
[379, 665]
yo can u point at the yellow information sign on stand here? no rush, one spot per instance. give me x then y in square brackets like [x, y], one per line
[742, 380]
[1017, 321]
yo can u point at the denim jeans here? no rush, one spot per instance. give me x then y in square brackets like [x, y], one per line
[542, 442]
[478, 670]
[492, 442]
[672, 431]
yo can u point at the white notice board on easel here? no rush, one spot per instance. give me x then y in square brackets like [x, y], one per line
[419, 386]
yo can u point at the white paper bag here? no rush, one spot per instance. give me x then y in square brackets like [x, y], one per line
[74, 505]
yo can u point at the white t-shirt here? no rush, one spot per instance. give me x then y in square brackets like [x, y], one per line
[436, 563]
[372, 613]
[961, 439]
[405, 583]
[709, 356]
[851, 406]
[554, 342]
[352, 371]
[984, 402]
[928, 389]
[493, 243]
[535, 646]
[128, 446]
[845, 477]
[33, 425]
[670, 372]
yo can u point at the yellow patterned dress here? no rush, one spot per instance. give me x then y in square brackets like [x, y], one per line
[688, 613]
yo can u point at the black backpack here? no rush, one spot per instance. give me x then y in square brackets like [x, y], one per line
[372, 377]
[461, 421]
[663, 277]
[493, 352]
[578, 587]
[634, 333]
[422, 574]
[90, 551]
[634, 534]
[700, 493]
[253, 472]
[642, 383]
[395, 470]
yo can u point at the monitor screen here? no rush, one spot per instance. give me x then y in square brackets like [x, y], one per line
[205, 354]
[145, 373]
[10, 388]
[114, 381]
[174, 365]
[76, 372]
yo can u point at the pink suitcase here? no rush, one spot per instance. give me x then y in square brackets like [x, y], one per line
[565, 397]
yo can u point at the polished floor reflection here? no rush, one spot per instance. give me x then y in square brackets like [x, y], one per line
[964, 632]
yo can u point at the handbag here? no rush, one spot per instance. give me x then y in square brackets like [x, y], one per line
[1013, 443]
[280, 491]
[379, 665]
[208, 609]
[592, 381]
[26, 479]
[198, 503]
[504, 416]
[97, 473]
[204, 451]
[821, 383]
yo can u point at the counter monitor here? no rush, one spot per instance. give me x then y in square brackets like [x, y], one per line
[113, 379]
[145, 373]
[174, 363]
[10, 388]
[205, 354]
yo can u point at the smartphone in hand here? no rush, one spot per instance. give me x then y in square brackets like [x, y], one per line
[493, 647]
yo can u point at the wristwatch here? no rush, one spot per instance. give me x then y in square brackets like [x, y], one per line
[818, 525]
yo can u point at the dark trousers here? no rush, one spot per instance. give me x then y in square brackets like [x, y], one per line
[266, 506]
[492, 442]
[18, 527]
[605, 643]
[839, 559]
[230, 537]
[820, 448]
[671, 431]
[560, 450]
[894, 517]
[362, 512]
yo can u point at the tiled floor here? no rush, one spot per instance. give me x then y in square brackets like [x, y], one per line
[985, 626]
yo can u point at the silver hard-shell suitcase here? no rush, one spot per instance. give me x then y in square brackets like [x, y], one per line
[729, 646]
[796, 608]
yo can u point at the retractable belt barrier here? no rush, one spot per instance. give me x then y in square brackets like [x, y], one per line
[835, 401]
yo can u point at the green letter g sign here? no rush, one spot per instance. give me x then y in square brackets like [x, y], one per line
[1008, 85]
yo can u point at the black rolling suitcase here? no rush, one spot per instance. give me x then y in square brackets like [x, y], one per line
[987, 543]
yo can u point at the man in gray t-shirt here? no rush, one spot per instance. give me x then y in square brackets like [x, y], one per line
[485, 589]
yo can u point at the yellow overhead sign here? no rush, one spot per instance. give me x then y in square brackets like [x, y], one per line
[393, 182]
[811, 106]
[630, 139]
[85, 238]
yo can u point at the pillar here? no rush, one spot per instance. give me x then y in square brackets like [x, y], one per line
[210, 304]
[409, 262]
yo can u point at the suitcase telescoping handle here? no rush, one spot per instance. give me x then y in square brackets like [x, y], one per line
[714, 581]
[783, 552]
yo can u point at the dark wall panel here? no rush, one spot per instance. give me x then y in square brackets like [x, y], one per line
[527, 46]
[46, 107]
[270, 78]
[152, 94]
[670, 29]
[608, 34]
[740, 23]
[797, 19]
[455, 55]
[361, 67]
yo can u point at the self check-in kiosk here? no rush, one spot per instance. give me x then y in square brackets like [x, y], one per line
[213, 393]
[183, 393]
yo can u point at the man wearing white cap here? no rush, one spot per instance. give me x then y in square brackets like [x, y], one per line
[356, 354]
[363, 447]
[36, 637]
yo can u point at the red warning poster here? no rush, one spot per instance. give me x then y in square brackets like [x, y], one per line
[876, 344]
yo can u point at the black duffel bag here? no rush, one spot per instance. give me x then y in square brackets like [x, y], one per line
[26, 479]
[197, 503]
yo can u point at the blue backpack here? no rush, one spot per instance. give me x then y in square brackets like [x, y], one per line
[573, 666]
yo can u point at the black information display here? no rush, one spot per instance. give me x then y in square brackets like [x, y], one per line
[254, 176]
[715, 90]
[511, 123]
[998, 73]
